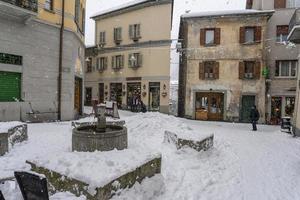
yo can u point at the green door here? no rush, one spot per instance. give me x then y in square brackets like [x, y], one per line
[10, 86]
[247, 102]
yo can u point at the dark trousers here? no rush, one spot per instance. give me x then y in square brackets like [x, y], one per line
[254, 128]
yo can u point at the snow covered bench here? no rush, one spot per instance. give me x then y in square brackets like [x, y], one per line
[197, 142]
[97, 175]
[11, 133]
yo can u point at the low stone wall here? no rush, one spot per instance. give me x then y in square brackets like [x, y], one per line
[14, 135]
[59, 182]
[203, 144]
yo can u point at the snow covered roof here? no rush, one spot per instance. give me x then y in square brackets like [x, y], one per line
[226, 13]
[120, 7]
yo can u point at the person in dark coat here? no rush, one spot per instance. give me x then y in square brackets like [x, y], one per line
[254, 117]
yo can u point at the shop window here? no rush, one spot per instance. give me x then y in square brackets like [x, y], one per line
[286, 68]
[289, 106]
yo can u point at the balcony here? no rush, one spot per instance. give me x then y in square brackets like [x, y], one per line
[294, 28]
[18, 9]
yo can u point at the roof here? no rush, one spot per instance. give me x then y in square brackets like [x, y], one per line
[227, 13]
[127, 5]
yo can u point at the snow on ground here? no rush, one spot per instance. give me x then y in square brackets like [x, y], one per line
[242, 164]
[4, 126]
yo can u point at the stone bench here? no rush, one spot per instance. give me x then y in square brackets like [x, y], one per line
[13, 136]
[203, 143]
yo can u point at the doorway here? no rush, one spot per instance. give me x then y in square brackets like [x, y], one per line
[247, 102]
[78, 95]
[209, 106]
[133, 90]
[101, 92]
[154, 96]
[276, 103]
[88, 96]
[116, 93]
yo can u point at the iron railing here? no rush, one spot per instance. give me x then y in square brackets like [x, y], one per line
[31, 5]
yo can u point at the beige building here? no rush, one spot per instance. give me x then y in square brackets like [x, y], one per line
[281, 60]
[222, 60]
[131, 58]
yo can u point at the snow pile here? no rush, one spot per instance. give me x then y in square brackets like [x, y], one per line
[5, 126]
[226, 13]
[85, 166]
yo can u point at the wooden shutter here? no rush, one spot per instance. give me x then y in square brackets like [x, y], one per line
[279, 4]
[131, 31]
[201, 71]
[217, 36]
[241, 70]
[105, 63]
[242, 35]
[202, 37]
[122, 61]
[257, 70]
[140, 60]
[138, 30]
[257, 34]
[216, 70]
[129, 60]
[113, 62]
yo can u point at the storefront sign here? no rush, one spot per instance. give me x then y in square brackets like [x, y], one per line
[10, 59]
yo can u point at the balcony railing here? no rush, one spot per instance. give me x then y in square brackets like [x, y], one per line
[294, 35]
[31, 5]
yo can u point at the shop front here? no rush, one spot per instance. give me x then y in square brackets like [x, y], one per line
[116, 93]
[281, 107]
[133, 93]
[209, 106]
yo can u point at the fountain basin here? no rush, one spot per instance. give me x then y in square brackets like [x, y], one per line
[86, 139]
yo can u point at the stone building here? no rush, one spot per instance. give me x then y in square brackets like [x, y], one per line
[221, 65]
[30, 57]
[131, 57]
[294, 36]
[281, 61]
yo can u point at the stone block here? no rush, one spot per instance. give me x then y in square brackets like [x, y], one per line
[202, 144]
[17, 134]
[3, 143]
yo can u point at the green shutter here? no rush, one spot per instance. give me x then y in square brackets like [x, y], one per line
[10, 86]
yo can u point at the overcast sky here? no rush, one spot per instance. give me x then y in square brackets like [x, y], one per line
[181, 6]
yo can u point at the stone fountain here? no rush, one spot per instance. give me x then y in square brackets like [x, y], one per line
[99, 137]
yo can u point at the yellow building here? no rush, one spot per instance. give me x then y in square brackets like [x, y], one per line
[131, 58]
[41, 65]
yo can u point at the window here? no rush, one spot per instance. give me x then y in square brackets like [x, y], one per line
[118, 35]
[89, 66]
[10, 87]
[289, 106]
[117, 62]
[135, 31]
[279, 4]
[49, 4]
[135, 60]
[210, 36]
[102, 38]
[209, 70]
[293, 3]
[249, 4]
[249, 70]
[282, 33]
[286, 68]
[101, 64]
[249, 35]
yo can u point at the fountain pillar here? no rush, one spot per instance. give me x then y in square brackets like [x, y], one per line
[101, 119]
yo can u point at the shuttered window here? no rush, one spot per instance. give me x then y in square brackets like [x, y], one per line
[250, 35]
[210, 36]
[135, 60]
[135, 32]
[117, 62]
[209, 70]
[102, 39]
[10, 86]
[282, 33]
[249, 70]
[118, 35]
[101, 64]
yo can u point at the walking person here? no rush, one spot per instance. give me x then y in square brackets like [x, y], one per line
[254, 117]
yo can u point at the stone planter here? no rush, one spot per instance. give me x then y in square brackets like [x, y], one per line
[85, 139]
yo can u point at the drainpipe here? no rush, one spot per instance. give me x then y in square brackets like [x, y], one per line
[61, 40]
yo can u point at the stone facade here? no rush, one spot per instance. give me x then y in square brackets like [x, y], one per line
[226, 86]
[37, 41]
[151, 78]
